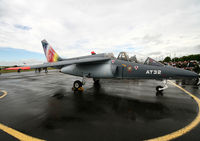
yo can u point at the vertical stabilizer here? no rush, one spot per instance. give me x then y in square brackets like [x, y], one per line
[50, 53]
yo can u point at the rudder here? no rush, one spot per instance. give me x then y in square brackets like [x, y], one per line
[50, 53]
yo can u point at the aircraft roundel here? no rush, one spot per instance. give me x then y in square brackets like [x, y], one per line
[129, 68]
[136, 67]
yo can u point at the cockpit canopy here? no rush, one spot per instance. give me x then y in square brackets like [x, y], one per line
[149, 61]
[123, 56]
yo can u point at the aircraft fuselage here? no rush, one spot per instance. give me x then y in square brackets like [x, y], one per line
[126, 70]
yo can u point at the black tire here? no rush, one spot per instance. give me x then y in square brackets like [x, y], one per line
[96, 81]
[197, 82]
[19, 70]
[158, 87]
[77, 84]
[159, 94]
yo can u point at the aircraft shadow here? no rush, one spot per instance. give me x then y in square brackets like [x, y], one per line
[97, 105]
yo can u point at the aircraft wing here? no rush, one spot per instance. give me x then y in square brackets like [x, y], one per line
[60, 64]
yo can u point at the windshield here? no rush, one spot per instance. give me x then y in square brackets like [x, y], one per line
[138, 59]
[150, 61]
[123, 56]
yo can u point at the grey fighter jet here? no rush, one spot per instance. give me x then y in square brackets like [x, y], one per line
[106, 66]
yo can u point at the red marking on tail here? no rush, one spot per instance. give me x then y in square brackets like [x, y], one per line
[50, 55]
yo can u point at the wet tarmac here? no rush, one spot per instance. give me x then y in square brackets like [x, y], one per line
[45, 107]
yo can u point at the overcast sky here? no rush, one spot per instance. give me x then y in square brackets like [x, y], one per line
[154, 28]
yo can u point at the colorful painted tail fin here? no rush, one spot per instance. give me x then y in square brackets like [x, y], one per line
[50, 53]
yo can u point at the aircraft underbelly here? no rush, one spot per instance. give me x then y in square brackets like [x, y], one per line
[90, 70]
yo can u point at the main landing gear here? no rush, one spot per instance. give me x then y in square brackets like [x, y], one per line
[198, 82]
[159, 89]
[38, 70]
[77, 86]
[96, 81]
[19, 70]
[45, 70]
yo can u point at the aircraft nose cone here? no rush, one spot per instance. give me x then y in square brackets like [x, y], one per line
[190, 74]
[194, 74]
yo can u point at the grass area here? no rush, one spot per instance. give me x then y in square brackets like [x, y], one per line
[9, 71]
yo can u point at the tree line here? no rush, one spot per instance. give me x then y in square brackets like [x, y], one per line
[183, 58]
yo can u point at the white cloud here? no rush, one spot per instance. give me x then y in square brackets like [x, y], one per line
[76, 27]
[21, 62]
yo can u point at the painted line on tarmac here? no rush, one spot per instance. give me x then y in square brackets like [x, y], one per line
[187, 128]
[15, 133]
[4, 94]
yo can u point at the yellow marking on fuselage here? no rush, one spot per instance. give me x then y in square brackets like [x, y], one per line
[4, 94]
[187, 128]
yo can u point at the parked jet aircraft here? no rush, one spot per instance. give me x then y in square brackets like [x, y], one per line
[105, 65]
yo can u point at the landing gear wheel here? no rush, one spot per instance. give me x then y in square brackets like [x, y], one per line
[19, 70]
[96, 81]
[46, 71]
[158, 88]
[159, 94]
[197, 82]
[77, 85]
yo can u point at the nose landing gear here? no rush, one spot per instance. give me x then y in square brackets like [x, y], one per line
[160, 89]
[96, 81]
[198, 82]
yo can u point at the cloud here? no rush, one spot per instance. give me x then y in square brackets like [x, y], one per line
[22, 27]
[152, 38]
[155, 53]
[197, 47]
[76, 28]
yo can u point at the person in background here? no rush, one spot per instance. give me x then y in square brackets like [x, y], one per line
[184, 65]
[196, 67]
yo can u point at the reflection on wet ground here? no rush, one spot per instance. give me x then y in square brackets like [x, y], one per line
[113, 110]
[1, 93]
[97, 102]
